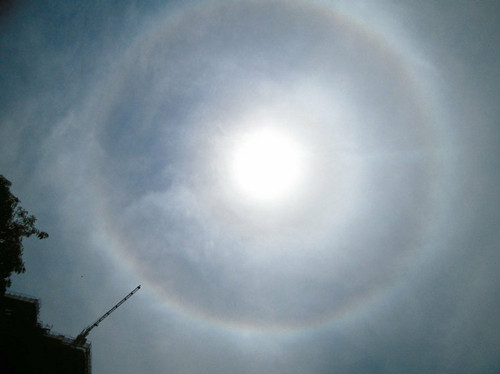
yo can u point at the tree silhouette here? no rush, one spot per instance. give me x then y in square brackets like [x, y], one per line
[15, 225]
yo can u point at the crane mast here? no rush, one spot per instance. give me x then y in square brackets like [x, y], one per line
[81, 338]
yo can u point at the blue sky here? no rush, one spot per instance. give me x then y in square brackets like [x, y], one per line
[118, 127]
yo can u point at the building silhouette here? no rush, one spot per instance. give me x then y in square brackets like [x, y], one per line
[27, 347]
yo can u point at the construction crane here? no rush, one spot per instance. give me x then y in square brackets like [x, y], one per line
[82, 337]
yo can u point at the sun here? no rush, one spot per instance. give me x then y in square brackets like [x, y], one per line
[267, 165]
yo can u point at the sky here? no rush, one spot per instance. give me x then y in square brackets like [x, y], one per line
[300, 187]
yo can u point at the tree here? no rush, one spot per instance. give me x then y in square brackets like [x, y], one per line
[15, 225]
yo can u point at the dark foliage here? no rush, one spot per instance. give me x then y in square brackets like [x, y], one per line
[15, 225]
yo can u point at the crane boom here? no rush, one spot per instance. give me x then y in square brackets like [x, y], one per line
[80, 339]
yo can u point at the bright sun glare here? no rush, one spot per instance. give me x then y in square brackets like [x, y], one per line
[267, 165]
